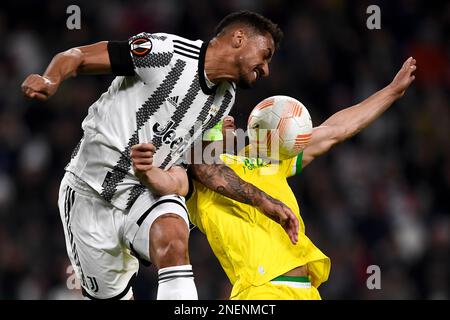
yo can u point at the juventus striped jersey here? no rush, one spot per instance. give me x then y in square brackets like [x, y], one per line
[159, 95]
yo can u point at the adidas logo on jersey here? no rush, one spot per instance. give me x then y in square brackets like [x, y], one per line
[173, 101]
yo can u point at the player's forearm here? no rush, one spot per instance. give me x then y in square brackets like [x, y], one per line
[223, 180]
[91, 59]
[64, 65]
[358, 117]
[163, 182]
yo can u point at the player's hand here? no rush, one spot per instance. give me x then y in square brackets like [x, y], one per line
[280, 213]
[142, 158]
[39, 87]
[404, 77]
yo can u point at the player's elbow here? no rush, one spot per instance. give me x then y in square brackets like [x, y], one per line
[183, 189]
[340, 134]
[318, 149]
[74, 54]
[179, 181]
[71, 59]
[180, 186]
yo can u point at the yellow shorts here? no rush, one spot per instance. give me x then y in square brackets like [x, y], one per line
[281, 288]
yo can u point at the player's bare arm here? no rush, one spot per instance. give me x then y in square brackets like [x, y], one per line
[348, 122]
[90, 59]
[172, 181]
[222, 179]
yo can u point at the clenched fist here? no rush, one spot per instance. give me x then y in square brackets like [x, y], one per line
[39, 87]
[142, 158]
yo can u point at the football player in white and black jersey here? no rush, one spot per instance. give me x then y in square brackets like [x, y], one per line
[168, 90]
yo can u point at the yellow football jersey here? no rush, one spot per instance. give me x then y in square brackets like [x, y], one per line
[252, 248]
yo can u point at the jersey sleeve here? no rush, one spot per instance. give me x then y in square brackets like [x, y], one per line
[293, 166]
[142, 55]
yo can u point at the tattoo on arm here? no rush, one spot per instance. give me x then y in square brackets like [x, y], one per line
[225, 181]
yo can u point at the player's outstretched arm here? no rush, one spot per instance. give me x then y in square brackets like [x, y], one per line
[348, 122]
[90, 59]
[172, 181]
[222, 179]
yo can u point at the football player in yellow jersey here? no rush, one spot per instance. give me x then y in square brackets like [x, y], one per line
[257, 257]
[256, 254]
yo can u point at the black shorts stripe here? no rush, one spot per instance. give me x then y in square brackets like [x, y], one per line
[187, 44]
[72, 199]
[186, 55]
[187, 50]
[137, 256]
[146, 213]
[68, 203]
[66, 196]
[117, 297]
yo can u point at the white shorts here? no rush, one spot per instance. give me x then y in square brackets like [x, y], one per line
[103, 242]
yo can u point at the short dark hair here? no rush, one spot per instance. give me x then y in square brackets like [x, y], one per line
[253, 20]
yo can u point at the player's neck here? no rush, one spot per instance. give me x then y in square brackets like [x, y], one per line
[218, 63]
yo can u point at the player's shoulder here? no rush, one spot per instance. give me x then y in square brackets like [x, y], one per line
[176, 39]
[183, 48]
[167, 43]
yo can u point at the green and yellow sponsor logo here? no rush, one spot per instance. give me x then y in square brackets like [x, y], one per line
[253, 163]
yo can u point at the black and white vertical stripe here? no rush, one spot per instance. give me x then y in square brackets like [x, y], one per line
[135, 192]
[168, 275]
[69, 200]
[200, 119]
[182, 110]
[206, 124]
[219, 115]
[149, 108]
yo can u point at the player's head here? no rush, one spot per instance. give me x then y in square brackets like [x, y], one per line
[234, 141]
[253, 39]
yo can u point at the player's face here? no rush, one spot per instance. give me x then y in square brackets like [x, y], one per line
[229, 134]
[254, 58]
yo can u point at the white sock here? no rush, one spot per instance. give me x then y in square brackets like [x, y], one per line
[176, 283]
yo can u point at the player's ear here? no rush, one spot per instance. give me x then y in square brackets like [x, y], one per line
[237, 38]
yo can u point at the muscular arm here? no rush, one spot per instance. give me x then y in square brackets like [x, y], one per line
[172, 181]
[348, 122]
[222, 179]
[90, 59]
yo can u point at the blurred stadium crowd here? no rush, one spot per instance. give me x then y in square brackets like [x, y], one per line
[381, 198]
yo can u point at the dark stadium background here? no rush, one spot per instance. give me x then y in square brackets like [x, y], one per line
[381, 198]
